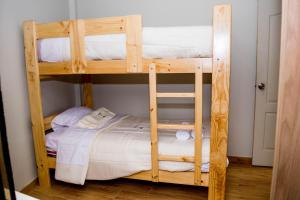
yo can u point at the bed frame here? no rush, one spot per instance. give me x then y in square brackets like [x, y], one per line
[218, 66]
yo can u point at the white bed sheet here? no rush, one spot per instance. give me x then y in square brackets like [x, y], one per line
[133, 134]
[158, 42]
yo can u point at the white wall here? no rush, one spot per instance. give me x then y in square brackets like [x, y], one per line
[56, 96]
[133, 98]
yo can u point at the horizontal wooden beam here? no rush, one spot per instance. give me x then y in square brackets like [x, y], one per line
[177, 95]
[163, 66]
[176, 126]
[176, 158]
[186, 178]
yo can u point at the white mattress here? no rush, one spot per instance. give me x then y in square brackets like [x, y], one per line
[158, 42]
[133, 134]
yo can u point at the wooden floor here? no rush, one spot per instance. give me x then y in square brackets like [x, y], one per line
[243, 182]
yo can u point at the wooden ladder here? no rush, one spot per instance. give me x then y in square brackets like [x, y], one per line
[155, 156]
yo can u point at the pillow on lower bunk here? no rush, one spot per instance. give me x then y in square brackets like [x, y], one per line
[70, 117]
[96, 119]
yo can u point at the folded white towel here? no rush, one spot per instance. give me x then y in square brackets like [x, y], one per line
[183, 134]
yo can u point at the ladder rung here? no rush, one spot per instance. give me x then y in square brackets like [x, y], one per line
[180, 95]
[176, 158]
[176, 126]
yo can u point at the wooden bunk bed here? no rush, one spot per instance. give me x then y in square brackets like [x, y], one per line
[218, 66]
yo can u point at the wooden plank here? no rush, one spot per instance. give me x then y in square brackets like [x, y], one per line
[286, 176]
[33, 81]
[120, 66]
[185, 178]
[55, 68]
[134, 44]
[198, 124]
[177, 95]
[108, 25]
[220, 101]
[176, 158]
[176, 126]
[47, 121]
[74, 47]
[53, 30]
[80, 34]
[106, 67]
[87, 91]
[153, 122]
[182, 65]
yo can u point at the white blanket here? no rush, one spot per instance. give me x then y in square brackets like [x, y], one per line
[125, 149]
[158, 42]
[120, 149]
[73, 152]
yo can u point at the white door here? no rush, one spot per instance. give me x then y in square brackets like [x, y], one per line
[268, 53]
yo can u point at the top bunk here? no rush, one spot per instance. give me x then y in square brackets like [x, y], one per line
[120, 45]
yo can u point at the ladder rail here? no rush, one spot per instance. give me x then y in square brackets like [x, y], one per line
[153, 122]
[198, 124]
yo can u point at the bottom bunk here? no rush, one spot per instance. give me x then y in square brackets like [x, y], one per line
[101, 145]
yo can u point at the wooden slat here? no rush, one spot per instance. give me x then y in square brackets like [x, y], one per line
[198, 124]
[134, 44]
[176, 158]
[74, 44]
[53, 30]
[176, 126]
[33, 81]
[153, 122]
[107, 25]
[220, 101]
[87, 91]
[178, 95]
[80, 33]
[183, 65]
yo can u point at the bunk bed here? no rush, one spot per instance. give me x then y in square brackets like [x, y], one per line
[217, 64]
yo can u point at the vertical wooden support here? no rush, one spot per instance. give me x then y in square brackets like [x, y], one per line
[220, 101]
[35, 102]
[87, 91]
[153, 122]
[77, 33]
[134, 44]
[198, 125]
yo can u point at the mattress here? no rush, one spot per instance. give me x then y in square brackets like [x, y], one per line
[134, 133]
[158, 42]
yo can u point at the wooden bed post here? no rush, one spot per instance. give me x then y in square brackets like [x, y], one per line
[87, 91]
[33, 80]
[220, 101]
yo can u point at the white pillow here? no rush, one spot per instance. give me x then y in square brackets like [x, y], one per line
[96, 119]
[70, 117]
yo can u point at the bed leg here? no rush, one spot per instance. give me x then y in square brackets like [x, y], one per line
[220, 101]
[35, 102]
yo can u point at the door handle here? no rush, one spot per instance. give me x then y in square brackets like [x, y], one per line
[261, 86]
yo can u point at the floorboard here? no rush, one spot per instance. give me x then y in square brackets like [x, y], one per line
[243, 182]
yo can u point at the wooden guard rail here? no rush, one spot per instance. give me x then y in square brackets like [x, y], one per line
[76, 30]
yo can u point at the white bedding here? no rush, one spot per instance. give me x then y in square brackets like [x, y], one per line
[158, 42]
[123, 149]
